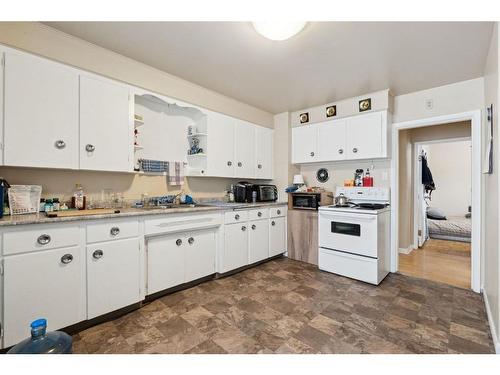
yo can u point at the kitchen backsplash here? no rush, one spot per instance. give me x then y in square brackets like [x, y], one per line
[339, 171]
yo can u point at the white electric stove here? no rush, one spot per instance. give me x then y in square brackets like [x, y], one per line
[354, 240]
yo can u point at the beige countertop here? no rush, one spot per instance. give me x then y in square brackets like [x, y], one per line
[40, 218]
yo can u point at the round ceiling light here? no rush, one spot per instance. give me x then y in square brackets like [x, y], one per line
[278, 30]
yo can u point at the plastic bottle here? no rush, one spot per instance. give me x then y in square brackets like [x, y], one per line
[78, 199]
[42, 342]
[56, 205]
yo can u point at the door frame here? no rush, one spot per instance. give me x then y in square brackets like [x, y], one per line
[477, 185]
[418, 196]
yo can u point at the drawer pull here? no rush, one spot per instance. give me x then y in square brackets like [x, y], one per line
[114, 231]
[312, 154]
[341, 151]
[278, 212]
[90, 148]
[243, 228]
[229, 163]
[97, 254]
[273, 223]
[178, 242]
[259, 214]
[66, 258]
[191, 240]
[240, 164]
[259, 166]
[237, 217]
[354, 150]
[60, 144]
[44, 239]
[254, 226]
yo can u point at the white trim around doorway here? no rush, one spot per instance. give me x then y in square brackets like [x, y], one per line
[477, 185]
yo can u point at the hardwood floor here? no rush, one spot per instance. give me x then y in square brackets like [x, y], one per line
[438, 260]
[285, 306]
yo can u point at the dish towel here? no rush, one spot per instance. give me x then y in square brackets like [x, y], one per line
[176, 173]
[148, 165]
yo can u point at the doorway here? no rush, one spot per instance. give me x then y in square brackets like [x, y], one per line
[441, 249]
[474, 117]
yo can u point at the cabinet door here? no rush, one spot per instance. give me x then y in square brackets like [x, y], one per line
[105, 126]
[364, 136]
[41, 113]
[1, 104]
[332, 140]
[244, 149]
[220, 152]
[304, 144]
[235, 246]
[200, 249]
[166, 262]
[277, 236]
[258, 240]
[263, 153]
[113, 276]
[46, 284]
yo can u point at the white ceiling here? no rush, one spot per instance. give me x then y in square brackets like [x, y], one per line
[327, 61]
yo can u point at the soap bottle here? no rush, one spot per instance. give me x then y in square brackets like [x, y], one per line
[78, 199]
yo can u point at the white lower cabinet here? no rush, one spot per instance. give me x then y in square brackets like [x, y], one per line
[277, 236]
[235, 246]
[258, 240]
[174, 259]
[113, 276]
[45, 284]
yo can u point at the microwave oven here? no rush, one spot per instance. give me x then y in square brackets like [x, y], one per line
[309, 201]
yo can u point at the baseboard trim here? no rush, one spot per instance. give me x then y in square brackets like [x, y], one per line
[406, 251]
[496, 342]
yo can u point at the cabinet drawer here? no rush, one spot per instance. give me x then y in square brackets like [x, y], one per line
[277, 211]
[112, 230]
[258, 214]
[235, 217]
[40, 237]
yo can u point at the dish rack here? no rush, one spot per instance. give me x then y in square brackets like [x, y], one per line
[24, 199]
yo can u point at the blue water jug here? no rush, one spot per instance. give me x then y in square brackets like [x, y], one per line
[42, 342]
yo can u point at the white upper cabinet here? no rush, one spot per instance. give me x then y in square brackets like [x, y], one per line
[305, 144]
[366, 136]
[358, 137]
[220, 151]
[332, 140]
[41, 113]
[105, 126]
[244, 149]
[263, 152]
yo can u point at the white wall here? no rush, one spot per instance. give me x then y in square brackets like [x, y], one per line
[450, 164]
[491, 224]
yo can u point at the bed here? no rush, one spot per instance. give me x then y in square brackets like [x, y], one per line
[455, 228]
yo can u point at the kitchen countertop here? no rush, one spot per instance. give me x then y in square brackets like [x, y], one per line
[40, 218]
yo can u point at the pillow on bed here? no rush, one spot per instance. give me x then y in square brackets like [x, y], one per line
[435, 214]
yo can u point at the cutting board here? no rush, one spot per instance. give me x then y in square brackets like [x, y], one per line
[70, 213]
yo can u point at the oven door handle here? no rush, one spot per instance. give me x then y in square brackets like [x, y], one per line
[355, 217]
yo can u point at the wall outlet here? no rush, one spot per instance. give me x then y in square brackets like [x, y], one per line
[429, 104]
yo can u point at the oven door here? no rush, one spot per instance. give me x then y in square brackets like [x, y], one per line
[348, 232]
[266, 193]
[305, 201]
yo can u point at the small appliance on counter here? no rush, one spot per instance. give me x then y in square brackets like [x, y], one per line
[245, 192]
[309, 200]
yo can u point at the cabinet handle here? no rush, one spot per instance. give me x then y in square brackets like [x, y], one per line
[259, 214]
[66, 258]
[237, 217]
[278, 212]
[259, 166]
[273, 223]
[240, 164]
[60, 144]
[44, 239]
[341, 151]
[97, 254]
[243, 228]
[90, 148]
[354, 150]
[191, 240]
[178, 242]
[229, 163]
[312, 153]
[254, 226]
[114, 231]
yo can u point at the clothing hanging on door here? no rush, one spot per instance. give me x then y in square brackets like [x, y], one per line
[427, 179]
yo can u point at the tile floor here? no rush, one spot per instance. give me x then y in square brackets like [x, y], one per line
[285, 306]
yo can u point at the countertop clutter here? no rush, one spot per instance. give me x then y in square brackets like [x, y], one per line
[41, 218]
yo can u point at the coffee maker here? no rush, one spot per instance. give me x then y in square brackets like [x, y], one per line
[243, 192]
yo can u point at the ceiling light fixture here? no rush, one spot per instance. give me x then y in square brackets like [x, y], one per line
[278, 30]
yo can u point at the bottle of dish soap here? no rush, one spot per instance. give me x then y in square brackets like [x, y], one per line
[78, 199]
[41, 342]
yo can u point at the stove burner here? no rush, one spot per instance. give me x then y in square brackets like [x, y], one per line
[372, 206]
